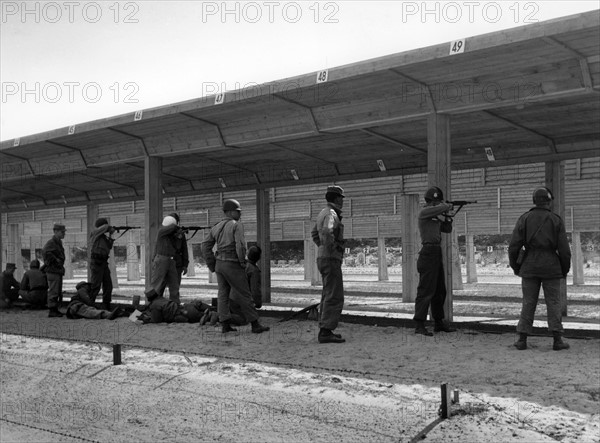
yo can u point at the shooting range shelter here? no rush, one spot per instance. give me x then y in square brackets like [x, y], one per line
[501, 100]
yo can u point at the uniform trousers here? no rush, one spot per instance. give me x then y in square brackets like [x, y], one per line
[332, 297]
[431, 290]
[81, 310]
[100, 276]
[231, 275]
[55, 282]
[531, 293]
[164, 273]
[37, 297]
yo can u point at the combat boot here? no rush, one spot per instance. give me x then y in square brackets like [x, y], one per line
[227, 327]
[559, 344]
[54, 312]
[421, 329]
[521, 343]
[442, 326]
[257, 328]
[327, 336]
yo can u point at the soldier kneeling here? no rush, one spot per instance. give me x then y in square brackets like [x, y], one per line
[81, 305]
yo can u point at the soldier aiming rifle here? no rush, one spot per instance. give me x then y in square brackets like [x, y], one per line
[187, 229]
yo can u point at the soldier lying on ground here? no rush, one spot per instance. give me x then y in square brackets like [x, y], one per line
[161, 310]
[81, 305]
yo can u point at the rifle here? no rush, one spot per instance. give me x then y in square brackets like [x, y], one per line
[187, 229]
[124, 229]
[460, 204]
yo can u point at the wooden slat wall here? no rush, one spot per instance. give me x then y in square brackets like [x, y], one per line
[370, 208]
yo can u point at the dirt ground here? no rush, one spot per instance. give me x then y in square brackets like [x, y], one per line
[186, 382]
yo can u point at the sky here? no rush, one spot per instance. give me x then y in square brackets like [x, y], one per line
[68, 62]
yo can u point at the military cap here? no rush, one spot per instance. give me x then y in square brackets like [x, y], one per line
[81, 284]
[334, 189]
[59, 227]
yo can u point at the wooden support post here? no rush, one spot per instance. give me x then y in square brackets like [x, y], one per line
[411, 244]
[446, 401]
[263, 233]
[308, 265]
[133, 262]
[555, 181]
[112, 266]
[142, 260]
[152, 210]
[13, 249]
[577, 259]
[91, 217]
[116, 354]
[68, 260]
[470, 258]
[191, 270]
[316, 277]
[457, 282]
[382, 260]
[438, 174]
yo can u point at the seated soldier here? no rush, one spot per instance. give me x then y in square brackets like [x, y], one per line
[254, 282]
[9, 286]
[81, 305]
[34, 286]
[160, 309]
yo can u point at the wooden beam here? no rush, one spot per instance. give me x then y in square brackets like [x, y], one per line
[393, 141]
[152, 210]
[425, 86]
[216, 127]
[551, 142]
[583, 62]
[136, 137]
[263, 237]
[62, 145]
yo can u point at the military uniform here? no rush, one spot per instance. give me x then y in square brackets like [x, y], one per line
[34, 286]
[82, 305]
[161, 310]
[547, 261]
[328, 235]
[9, 286]
[53, 254]
[100, 246]
[164, 271]
[229, 264]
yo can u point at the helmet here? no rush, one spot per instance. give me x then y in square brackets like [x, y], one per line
[334, 189]
[35, 263]
[175, 215]
[542, 195]
[434, 193]
[168, 221]
[101, 221]
[254, 254]
[231, 205]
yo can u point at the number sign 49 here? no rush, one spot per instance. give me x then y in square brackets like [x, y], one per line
[457, 47]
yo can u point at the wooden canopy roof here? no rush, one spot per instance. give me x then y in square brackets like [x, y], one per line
[531, 94]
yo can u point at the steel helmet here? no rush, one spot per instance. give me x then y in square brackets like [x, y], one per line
[101, 221]
[168, 221]
[434, 193]
[542, 195]
[231, 205]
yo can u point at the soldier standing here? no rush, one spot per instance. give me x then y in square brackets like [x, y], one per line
[164, 271]
[100, 245]
[229, 263]
[547, 261]
[328, 235]
[431, 290]
[53, 255]
[182, 259]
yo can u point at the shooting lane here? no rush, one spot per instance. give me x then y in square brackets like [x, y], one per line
[476, 117]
